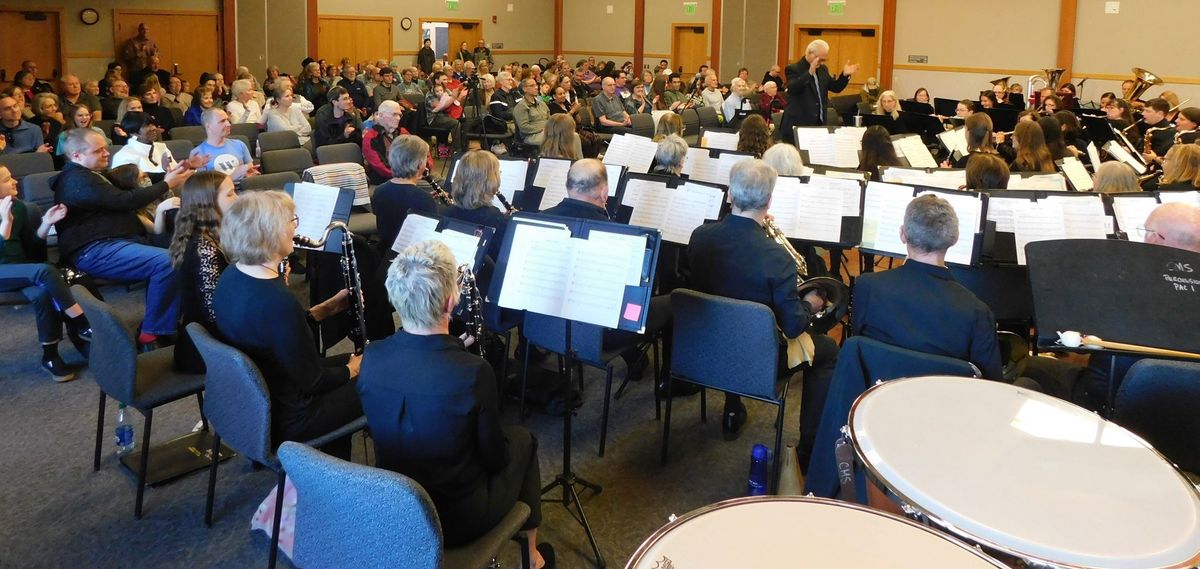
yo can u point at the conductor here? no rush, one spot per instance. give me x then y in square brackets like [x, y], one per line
[808, 87]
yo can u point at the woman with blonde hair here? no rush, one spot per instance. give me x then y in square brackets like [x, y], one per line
[1181, 168]
[561, 140]
[667, 125]
[1115, 177]
[474, 188]
[888, 105]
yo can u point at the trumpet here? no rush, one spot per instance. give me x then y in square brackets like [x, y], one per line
[351, 276]
[439, 195]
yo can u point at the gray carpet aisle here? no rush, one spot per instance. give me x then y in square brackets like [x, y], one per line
[56, 512]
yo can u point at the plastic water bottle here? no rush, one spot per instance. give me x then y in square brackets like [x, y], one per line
[760, 460]
[125, 442]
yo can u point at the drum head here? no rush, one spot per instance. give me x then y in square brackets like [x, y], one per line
[1027, 474]
[777, 532]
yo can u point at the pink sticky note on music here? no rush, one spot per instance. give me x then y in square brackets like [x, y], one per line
[633, 311]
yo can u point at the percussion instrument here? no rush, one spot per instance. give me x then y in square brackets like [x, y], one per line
[776, 532]
[1031, 479]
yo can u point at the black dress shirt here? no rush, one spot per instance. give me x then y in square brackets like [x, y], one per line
[808, 96]
[392, 203]
[571, 207]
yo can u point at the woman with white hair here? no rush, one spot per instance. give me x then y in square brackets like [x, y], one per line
[786, 160]
[888, 105]
[740, 99]
[242, 107]
[283, 114]
[669, 158]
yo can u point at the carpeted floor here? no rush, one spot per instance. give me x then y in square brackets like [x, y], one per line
[57, 512]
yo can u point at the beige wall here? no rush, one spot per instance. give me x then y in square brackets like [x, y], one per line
[660, 14]
[589, 29]
[864, 12]
[1105, 46]
[748, 36]
[287, 37]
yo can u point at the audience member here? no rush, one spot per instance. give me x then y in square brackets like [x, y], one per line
[226, 155]
[137, 51]
[243, 109]
[72, 93]
[531, 114]
[338, 120]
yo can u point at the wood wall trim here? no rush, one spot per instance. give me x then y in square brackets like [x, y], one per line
[1167, 81]
[558, 26]
[714, 57]
[887, 53]
[782, 54]
[228, 47]
[156, 12]
[312, 21]
[956, 69]
[1066, 37]
[639, 35]
[628, 54]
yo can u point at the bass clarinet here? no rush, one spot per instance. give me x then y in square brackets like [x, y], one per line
[350, 276]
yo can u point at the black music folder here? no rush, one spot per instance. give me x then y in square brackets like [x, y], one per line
[548, 185]
[915, 107]
[892, 125]
[317, 206]
[946, 107]
[596, 272]
[1003, 120]
[925, 124]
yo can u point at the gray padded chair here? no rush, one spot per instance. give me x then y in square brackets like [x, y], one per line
[247, 130]
[691, 126]
[288, 160]
[340, 154]
[278, 140]
[643, 125]
[26, 163]
[350, 515]
[239, 409]
[141, 381]
[275, 181]
[193, 134]
[708, 117]
[36, 189]
[180, 149]
[1158, 401]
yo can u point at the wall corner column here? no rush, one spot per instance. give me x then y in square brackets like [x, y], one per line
[558, 27]
[714, 60]
[312, 21]
[229, 37]
[782, 57]
[639, 35]
[1066, 38]
[887, 53]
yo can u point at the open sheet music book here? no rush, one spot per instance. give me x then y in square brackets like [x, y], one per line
[883, 214]
[717, 139]
[1131, 212]
[955, 140]
[701, 165]
[1117, 151]
[1076, 174]
[1055, 182]
[814, 211]
[839, 148]
[1040, 217]
[676, 212]
[317, 206]
[913, 149]
[630, 150]
[551, 176]
[466, 247]
[548, 271]
[950, 179]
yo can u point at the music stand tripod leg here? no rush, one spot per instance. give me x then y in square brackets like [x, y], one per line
[567, 479]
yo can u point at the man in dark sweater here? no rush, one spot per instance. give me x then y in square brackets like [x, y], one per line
[102, 235]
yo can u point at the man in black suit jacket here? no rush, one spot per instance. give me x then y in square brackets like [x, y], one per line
[808, 85]
[920, 306]
[735, 258]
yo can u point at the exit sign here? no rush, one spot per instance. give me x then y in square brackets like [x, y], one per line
[689, 7]
[837, 7]
[452, 5]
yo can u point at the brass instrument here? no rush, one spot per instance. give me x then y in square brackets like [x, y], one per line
[835, 293]
[351, 276]
[1143, 80]
[439, 195]
[1050, 80]
[1179, 135]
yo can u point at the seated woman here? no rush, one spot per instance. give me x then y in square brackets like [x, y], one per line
[560, 103]
[144, 149]
[980, 138]
[49, 118]
[1052, 131]
[637, 103]
[196, 253]
[561, 140]
[986, 171]
[1115, 177]
[889, 105]
[244, 108]
[1181, 169]
[77, 116]
[282, 114]
[877, 152]
[22, 246]
[257, 314]
[1030, 146]
[408, 160]
[670, 156]
[754, 136]
[476, 183]
[667, 125]
[922, 96]
[202, 100]
[786, 160]
[439, 423]
[151, 94]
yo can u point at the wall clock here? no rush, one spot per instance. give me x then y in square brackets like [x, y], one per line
[89, 16]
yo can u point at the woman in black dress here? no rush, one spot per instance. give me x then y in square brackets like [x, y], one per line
[476, 183]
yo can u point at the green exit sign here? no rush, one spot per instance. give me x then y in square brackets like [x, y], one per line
[452, 5]
[837, 8]
[689, 8]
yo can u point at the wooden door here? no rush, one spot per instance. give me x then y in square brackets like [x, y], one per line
[689, 48]
[458, 32]
[189, 43]
[30, 35]
[857, 45]
[357, 37]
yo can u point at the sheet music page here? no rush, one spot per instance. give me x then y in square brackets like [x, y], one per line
[597, 284]
[636, 187]
[713, 197]
[538, 269]
[464, 246]
[819, 215]
[651, 207]
[688, 207]
[857, 176]
[315, 204]
[1187, 197]
[945, 179]
[1077, 174]
[725, 164]
[819, 144]
[1000, 210]
[512, 180]
[416, 228]
[700, 166]
[633, 247]
[850, 188]
[551, 172]
[722, 140]
[554, 191]
[635, 152]
[1117, 151]
[1037, 221]
[955, 140]
[847, 142]
[915, 151]
[883, 214]
[1083, 216]
[968, 208]
[1093, 155]
[1131, 213]
[1055, 182]
[785, 204]
[614, 178]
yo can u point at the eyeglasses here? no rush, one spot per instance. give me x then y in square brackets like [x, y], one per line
[1145, 232]
[296, 220]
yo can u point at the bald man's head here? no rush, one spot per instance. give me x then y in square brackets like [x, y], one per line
[587, 180]
[1175, 225]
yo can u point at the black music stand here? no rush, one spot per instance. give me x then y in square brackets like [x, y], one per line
[945, 107]
[893, 126]
[917, 107]
[634, 309]
[1121, 291]
[1003, 120]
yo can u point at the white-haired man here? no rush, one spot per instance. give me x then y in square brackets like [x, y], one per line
[808, 86]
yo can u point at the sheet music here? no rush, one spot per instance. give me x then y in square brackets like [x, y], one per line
[847, 142]
[915, 151]
[551, 176]
[464, 246]
[650, 205]
[614, 172]
[883, 214]
[1055, 182]
[945, 179]
[955, 140]
[512, 180]
[315, 204]
[1000, 210]
[818, 217]
[1117, 151]
[1077, 174]
[722, 140]
[597, 284]
[850, 188]
[416, 228]
[635, 152]
[535, 277]
[633, 249]
[726, 162]
[676, 212]
[819, 144]
[702, 167]
[1083, 216]
[857, 176]
[1131, 213]
[637, 187]
[1187, 197]
[968, 208]
[1093, 155]
[1037, 221]
[785, 204]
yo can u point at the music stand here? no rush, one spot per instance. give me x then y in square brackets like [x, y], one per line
[916, 107]
[945, 107]
[924, 124]
[892, 125]
[1003, 120]
[1121, 291]
[513, 290]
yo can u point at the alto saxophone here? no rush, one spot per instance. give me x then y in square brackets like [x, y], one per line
[351, 277]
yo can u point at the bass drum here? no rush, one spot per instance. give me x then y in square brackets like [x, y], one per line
[1034, 480]
[786, 532]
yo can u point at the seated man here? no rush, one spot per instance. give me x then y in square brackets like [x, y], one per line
[72, 94]
[103, 236]
[609, 109]
[117, 92]
[439, 423]
[386, 90]
[530, 114]
[338, 120]
[735, 258]
[890, 306]
[18, 136]
[226, 155]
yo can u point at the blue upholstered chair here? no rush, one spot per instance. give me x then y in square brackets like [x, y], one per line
[351, 515]
[1158, 400]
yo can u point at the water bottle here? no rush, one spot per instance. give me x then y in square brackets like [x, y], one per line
[125, 443]
[760, 460]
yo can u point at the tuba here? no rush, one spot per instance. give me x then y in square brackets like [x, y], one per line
[353, 281]
[1142, 81]
[1051, 78]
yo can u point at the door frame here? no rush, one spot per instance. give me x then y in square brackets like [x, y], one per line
[391, 29]
[798, 50]
[62, 33]
[707, 46]
[226, 58]
[422, 21]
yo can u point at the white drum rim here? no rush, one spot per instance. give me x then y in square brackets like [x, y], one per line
[653, 539]
[954, 530]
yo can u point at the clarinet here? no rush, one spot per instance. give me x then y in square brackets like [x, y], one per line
[504, 202]
[472, 303]
[439, 195]
[351, 277]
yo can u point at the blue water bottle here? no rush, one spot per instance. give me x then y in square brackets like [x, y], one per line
[760, 461]
[124, 432]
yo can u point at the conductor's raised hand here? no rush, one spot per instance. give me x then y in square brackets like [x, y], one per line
[850, 68]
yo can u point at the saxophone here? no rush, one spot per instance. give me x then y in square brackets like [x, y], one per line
[350, 276]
